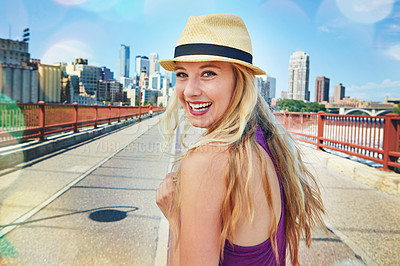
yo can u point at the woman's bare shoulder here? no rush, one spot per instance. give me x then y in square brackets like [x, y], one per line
[215, 156]
[208, 159]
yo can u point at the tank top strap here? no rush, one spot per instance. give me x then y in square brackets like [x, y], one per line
[261, 140]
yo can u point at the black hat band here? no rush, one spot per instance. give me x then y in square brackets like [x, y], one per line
[213, 49]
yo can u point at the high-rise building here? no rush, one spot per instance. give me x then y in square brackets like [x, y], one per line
[299, 68]
[171, 77]
[127, 82]
[13, 52]
[263, 87]
[322, 89]
[123, 62]
[26, 80]
[142, 64]
[143, 79]
[154, 65]
[110, 91]
[272, 87]
[338, 92]
[155, 81]
[105, 73]
[88, 75]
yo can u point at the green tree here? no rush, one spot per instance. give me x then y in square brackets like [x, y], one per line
[397, 109]
[299, 106]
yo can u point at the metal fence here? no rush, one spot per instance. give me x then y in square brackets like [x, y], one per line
[374, 138]
[19, 121]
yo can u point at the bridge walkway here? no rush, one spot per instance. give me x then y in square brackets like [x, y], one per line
[94, 203]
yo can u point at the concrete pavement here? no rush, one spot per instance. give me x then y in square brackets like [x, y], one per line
[31, 197]
[363, 217]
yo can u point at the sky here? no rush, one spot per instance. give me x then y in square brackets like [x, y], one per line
[353, 42]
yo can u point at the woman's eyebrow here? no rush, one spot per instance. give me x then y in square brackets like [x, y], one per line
[210, 65]
[179, 68]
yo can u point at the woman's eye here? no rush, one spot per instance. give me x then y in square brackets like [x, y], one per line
[181, 75]
[209, 74]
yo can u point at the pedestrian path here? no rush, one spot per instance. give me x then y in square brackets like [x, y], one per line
[364, 218]
[24, 187]
[107, 217]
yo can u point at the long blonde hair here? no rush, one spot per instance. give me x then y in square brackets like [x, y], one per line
[236, 130]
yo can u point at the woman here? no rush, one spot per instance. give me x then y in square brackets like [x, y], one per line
[241, 194]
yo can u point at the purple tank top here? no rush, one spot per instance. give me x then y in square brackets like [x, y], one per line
[261, 254]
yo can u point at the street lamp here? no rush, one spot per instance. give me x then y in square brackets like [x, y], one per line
[140, 102]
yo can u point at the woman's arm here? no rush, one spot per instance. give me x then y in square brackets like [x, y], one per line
[165, 197]
[202, 194]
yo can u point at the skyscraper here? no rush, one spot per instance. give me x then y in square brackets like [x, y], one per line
[88, 75]
[263, 87]
[338, 92]
[322, 89]
[142, 63]
[272, 86]
[299, 68]
[123, 62]
[172, 77]
[154, 66]
[105, 73]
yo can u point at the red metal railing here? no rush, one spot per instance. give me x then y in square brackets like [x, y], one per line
[374, 138]
[20, 121]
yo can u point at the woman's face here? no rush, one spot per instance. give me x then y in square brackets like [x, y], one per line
[205, 90]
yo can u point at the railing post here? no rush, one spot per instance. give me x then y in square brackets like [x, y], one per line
[109, 114]
[390, 140]
[119, 113]
[321, 120]
[286, 119]
[95, 114]
[41, 119]
[75, 116]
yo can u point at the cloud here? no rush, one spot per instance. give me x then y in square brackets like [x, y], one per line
[393, 28]
[324, 29]
[393, 52]
[374, 91]
[387, 83]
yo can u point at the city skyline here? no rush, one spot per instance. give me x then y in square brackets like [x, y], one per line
[358, 47]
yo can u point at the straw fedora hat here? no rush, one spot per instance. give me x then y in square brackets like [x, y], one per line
[221, 37]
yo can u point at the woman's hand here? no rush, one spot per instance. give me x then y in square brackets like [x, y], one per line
[165, 195]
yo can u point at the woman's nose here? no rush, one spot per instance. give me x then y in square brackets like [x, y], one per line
[192, 87]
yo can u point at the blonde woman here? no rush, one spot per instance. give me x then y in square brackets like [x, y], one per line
[241, 194]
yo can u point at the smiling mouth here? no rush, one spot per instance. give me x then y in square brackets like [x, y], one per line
[200, 107]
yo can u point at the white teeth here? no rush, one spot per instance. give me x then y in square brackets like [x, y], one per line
[200, 107]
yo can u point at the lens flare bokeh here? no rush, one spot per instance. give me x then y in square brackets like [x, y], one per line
[70, 2]
[66, 51]
[365, 11]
